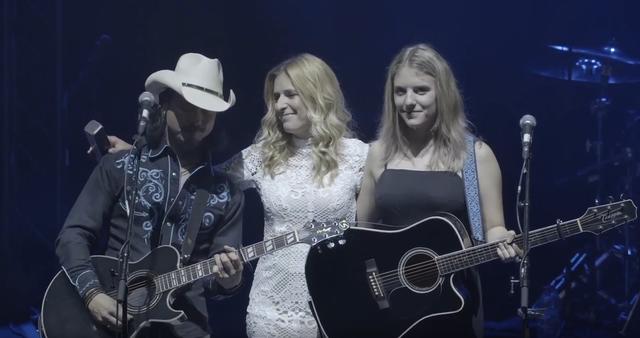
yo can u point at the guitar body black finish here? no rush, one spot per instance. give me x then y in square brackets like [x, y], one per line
[402, 283]
[342, 279]
[152, 280]
[64, 314]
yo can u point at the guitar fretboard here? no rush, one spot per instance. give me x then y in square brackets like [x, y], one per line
[257, 250]
[477, 255]
[191, 273]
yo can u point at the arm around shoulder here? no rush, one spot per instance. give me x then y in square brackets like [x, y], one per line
[242, 167]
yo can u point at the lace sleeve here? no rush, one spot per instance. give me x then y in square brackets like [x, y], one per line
[356, 156]
[243, 167]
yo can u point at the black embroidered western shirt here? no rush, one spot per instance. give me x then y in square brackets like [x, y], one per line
[161, 217]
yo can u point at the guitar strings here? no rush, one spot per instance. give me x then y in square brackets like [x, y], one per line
[421, 271]
[429, 271]
[157, 280]
[411, 271]
[192, 269]
[450, 261]
[426, 269]
[418, 272]
[543, 233]
[481, 251]
[415, 272]
[278, 242]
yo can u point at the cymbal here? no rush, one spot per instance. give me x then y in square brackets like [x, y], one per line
[604, 53]
[605, 65]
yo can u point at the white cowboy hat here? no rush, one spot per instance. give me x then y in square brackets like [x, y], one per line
[197, 78]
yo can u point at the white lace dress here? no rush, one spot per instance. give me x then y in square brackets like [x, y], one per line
[278, 301]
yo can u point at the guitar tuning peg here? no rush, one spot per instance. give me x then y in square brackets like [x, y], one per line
[610, 199]
[621, 196]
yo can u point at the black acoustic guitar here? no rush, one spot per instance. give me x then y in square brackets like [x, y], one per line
[151, 283]
[390, 283]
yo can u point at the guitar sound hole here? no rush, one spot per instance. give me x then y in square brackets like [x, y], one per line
[142, 293]
[419, 271]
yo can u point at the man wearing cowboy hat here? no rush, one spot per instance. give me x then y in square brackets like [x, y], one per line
[173, 166]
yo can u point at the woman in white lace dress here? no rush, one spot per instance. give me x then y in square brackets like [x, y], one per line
[305, 168]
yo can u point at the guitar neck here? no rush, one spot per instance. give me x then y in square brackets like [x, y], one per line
[480, 254]
[191, 273]
[260, 249]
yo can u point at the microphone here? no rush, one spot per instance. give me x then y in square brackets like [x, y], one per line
[527, 122]
[97, 138]
[147, 102]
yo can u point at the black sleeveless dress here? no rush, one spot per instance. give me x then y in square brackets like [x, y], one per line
[404, 197]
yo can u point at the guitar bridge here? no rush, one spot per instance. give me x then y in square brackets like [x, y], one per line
[375, 286]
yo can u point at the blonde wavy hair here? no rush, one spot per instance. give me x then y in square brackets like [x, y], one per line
[450, 127]
[320, 92]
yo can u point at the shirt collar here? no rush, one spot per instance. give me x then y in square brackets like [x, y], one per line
[160, 148]
[164, 147]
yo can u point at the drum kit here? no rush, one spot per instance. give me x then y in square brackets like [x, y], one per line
[584, 290]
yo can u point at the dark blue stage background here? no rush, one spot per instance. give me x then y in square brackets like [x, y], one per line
[67, 62]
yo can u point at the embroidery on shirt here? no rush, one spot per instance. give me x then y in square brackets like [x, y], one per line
[152, 186]
[221, 195]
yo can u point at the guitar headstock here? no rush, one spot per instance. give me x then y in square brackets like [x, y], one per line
[315, 231]
[601, 218]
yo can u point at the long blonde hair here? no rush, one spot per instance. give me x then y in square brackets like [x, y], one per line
[320, 91]
[450, 127]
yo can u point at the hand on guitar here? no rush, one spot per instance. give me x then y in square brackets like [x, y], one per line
[103, 309]
[507, 250]
[229, 268]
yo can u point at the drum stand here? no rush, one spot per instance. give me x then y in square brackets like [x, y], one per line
[626, 251]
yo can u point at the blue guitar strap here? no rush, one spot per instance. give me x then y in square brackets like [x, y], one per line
[471, 191]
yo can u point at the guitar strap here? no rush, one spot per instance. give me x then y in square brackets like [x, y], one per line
[197, 211]
[471, 191]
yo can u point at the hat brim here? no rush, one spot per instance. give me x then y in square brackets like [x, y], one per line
[159, 81]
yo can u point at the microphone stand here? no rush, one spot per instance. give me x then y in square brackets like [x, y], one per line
[123, 257]
[524, 310]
